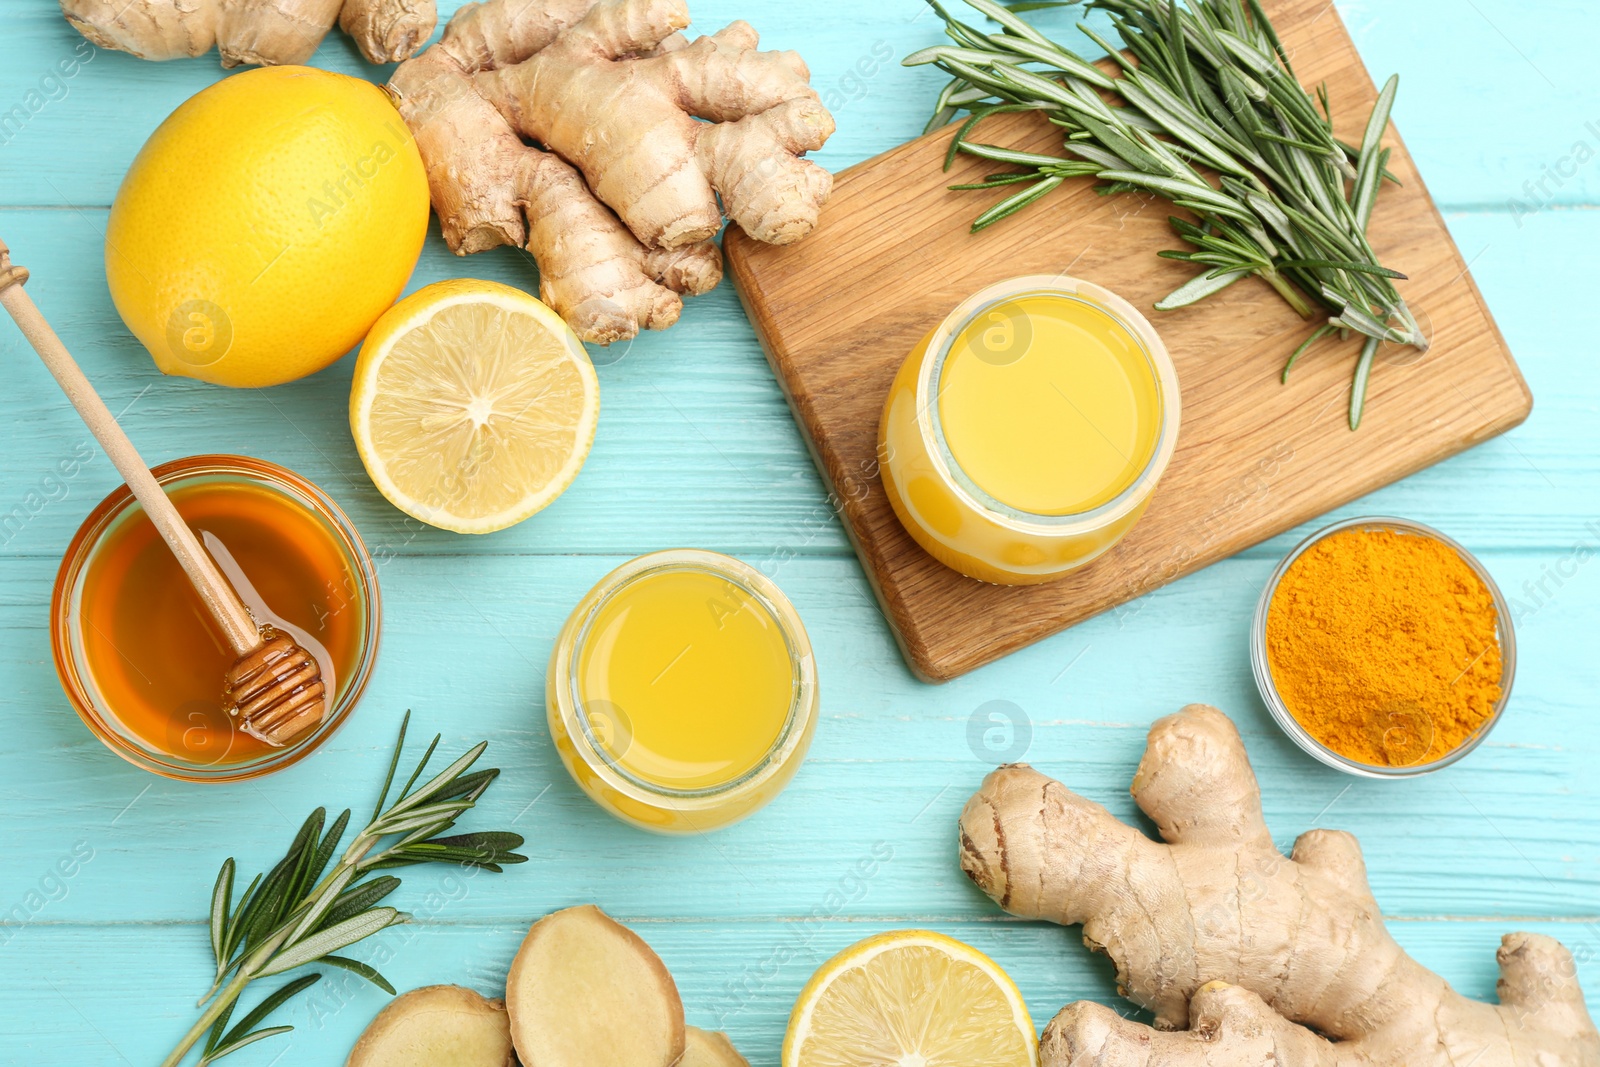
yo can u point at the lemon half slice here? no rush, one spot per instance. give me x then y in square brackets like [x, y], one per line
[473, 405]
[910, 998]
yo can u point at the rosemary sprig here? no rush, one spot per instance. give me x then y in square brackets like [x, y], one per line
[296, 915]
[1206, 89]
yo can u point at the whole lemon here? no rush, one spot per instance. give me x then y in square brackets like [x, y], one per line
[265, 226]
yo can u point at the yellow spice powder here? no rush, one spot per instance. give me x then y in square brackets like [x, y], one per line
[1383, 646]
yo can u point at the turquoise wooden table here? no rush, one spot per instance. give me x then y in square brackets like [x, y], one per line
[696, 447]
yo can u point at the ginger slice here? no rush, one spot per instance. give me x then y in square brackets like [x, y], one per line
[706, 1048]
[585, 991]
[437, 1024]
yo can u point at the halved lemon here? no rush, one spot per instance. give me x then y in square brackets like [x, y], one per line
[473, 405]
[910, 998]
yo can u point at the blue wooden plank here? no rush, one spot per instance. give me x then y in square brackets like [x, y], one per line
[125, 994]
[101, 966]
[1513, 830]
[1497, 99]
[694, 432]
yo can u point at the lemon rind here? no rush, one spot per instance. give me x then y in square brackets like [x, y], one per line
[863, 952]
[364, 392]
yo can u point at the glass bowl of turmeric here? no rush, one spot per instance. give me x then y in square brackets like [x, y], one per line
[1383, 648]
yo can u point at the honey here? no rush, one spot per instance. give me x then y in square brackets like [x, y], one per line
[682, 691]
[147, 657]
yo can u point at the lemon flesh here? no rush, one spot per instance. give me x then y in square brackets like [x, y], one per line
[265, 225]
[473, 405]
[910, 998]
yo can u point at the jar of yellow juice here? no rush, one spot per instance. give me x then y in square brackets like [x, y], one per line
[682, 692]
[1026, 432]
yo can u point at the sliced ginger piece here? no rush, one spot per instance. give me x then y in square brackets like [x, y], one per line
[435, 1025]
[585, 991]
[706, 1048]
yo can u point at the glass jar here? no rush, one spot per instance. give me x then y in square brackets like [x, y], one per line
[964, 524]
[673, 720]
[1261, 665]
[201, 743]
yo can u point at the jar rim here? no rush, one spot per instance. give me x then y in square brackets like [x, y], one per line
[574, 711]
[1163, 374]
[1261, 668]
[90, 536]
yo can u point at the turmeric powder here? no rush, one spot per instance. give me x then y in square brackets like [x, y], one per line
[1383, 646]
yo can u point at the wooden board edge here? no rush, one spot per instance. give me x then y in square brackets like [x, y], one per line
[1525, 406]
[917, 657]
[931, 668]
[954, 666]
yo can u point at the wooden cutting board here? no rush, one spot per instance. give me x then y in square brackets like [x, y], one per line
[838, 312]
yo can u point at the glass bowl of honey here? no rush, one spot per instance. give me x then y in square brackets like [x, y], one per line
[682, 691]
[136, 652]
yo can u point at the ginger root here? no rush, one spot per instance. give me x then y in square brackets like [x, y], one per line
[264, 32]
[704, 1048]
[1264, 959]
[437, 1024]
[584, 990]
[571, 128]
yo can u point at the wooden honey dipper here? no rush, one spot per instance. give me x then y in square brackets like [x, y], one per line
[275, 687]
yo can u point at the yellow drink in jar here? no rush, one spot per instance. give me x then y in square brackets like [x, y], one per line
[1025, 434]
[682, 691]
[1049, 405]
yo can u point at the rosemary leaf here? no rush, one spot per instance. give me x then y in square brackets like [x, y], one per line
[978, 115]
[394, 763]
[235, 929]
[1305, 346]
[247, 1039]
[1198, 288]
[1358, 388]
[439, 781]
[302, 911]
[221, 902]
[330, 841]
[405, 790]
[366, 971]
[312, 917]
[1013, 204]
[1212, 118]
[1343, 264]
[332, 939]
[270, 1003]
[359, 898]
